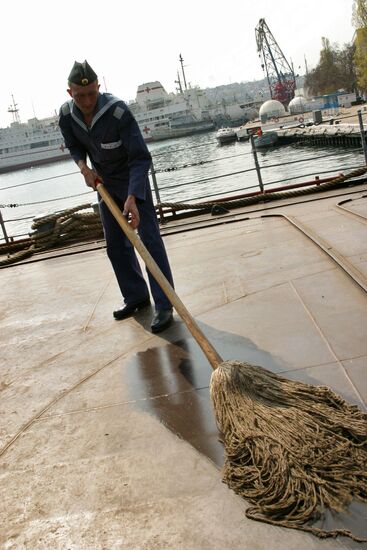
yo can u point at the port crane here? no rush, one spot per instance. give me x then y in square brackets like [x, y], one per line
[280, 75]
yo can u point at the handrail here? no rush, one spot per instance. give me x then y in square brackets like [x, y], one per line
[309, 175]
[263, 167]
[185, 184]
[208, 195]
[320, 157]
[172, 187]
[39, 181]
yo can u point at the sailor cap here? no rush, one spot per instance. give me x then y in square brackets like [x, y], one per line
[82, 74]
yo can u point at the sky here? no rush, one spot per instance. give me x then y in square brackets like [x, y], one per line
[132, 42]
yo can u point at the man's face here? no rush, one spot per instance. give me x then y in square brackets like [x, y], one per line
[85, 97]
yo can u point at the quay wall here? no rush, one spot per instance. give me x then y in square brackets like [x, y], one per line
[323, 135]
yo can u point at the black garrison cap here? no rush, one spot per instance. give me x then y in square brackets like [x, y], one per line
[82, 74]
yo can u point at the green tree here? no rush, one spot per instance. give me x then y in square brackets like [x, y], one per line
[359, 14]
[348, 78]
[334, 71]
[359, 19]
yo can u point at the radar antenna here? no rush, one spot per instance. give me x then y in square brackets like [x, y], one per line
[280, 75]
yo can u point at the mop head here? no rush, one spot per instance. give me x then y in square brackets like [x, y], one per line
[292, 449]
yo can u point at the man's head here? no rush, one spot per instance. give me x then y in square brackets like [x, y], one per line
[83, 87]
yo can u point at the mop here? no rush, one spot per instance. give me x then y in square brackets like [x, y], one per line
[292, 450]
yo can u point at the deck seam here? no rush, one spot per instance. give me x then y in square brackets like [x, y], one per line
[325, 340]
[120, 403]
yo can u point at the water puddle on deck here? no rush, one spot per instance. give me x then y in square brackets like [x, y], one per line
[172, 382]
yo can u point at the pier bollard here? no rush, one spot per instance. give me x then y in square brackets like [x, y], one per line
[363, 135]
[257, 166]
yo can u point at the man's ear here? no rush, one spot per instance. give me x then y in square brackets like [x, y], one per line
[69, 92]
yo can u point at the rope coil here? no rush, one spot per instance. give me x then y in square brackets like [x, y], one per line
[57, 229]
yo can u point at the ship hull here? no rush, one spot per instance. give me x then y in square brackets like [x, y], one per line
[36, 142]
[19, 162]
[171, 133]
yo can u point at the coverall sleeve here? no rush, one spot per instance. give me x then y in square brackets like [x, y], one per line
[139, 158]
[77, 150]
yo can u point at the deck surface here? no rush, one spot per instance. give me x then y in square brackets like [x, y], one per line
[107, 434]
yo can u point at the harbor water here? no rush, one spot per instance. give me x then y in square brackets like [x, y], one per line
[187, 169]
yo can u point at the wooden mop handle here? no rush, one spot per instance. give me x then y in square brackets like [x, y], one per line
[209, 351]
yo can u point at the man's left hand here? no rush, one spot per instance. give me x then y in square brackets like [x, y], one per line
[131, 211]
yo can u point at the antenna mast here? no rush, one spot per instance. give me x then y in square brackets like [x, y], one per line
[280, 75]
[183, 72]
[13, 109]
[178, 81]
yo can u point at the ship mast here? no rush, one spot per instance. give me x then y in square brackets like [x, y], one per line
[183, 72]
[178, 81]
[13, 109]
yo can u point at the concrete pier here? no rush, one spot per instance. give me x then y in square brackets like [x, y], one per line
[338, 128]
[343, 135]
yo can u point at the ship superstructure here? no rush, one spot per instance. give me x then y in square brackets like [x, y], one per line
[30, 144]
[161, 115]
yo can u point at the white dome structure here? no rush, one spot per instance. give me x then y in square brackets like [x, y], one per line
[271, 108]
[297, 105]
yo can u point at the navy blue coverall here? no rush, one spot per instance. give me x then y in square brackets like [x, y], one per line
[119, 155]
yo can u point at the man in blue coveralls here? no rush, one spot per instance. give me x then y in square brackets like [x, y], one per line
[101, 126]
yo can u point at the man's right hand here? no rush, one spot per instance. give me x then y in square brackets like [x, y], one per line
[90, 176]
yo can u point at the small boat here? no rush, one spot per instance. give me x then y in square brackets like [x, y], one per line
[226, 135]
[268, 139]
[242, 133]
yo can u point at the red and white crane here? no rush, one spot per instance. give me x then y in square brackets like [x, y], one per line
[280, 75]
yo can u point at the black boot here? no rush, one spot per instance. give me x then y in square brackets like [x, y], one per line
[162, 319]
[129, 309]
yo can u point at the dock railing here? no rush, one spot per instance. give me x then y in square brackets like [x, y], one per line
[188, 188]
[363, 135]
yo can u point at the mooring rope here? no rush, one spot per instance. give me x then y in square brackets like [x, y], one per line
[70, 225]
[264, 197]
[67, 226]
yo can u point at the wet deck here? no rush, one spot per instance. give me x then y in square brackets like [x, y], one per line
[107, 434]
